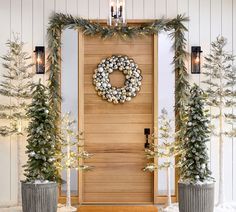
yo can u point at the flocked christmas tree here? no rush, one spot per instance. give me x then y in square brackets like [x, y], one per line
[194, 156]
[221, 91]
[15, 87]
[40, 166]
[166, 149]
[71, 155]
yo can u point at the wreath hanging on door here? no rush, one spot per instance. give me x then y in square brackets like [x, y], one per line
[132, 84]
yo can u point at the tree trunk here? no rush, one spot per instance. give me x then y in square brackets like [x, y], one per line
[19, 132]
[19, 169]
[221, 146]
[168, 187]
[68, 197]
[221, 195]
[68, 206]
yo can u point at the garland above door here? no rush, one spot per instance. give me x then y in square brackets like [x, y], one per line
[174, 27]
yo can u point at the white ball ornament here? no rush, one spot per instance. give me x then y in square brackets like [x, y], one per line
[190, 124]
[51, 160]
[104, 85]
[132, 84]
[32, 154]
[100, 69]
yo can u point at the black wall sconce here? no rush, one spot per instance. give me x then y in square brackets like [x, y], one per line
[146, 133]
[40, 59]
[196, 60]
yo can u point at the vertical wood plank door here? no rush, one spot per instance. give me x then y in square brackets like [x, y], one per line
[115, 133]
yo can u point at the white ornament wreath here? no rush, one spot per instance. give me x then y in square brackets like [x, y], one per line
[132, 82]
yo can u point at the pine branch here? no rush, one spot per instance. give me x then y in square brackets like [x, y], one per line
[5, 116]
[210, 83]
[232, 133]
[230, 103]
[8, 107]
[7, 131]
[230, 116]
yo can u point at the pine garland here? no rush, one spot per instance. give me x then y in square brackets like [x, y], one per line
[174, 27]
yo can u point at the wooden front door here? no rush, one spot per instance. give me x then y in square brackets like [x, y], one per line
[115, 133]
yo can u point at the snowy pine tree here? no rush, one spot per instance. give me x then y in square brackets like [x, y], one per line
[221, 81]
[166, 149]
[15, 86]
[41, 141]
[71, 154]
[194, 157]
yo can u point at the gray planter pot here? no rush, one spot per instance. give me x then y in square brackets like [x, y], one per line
[196, 198]
[39, 197]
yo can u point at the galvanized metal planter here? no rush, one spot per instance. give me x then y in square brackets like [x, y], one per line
[39, 197]
[196, 198]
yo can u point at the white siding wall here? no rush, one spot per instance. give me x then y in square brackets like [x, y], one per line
[208, 18]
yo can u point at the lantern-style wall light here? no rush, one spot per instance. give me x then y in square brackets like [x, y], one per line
[40, 59]
[117, 12]
[196, 60]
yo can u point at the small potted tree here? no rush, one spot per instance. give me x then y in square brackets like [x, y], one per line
[166, 149]
[15, 85]
[39, 190]
[196, 186]
[71, 155]
[220, 80]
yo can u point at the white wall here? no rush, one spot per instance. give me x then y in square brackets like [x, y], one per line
[208, 18]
